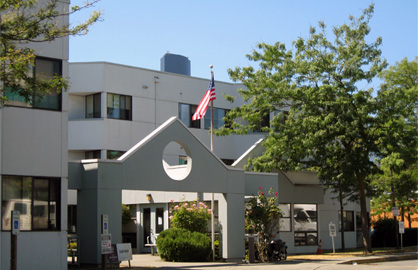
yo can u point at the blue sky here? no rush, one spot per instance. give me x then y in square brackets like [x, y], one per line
[221, 32]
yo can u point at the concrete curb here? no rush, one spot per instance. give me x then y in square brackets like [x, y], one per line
[385, 258]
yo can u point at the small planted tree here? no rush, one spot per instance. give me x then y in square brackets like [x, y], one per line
[263, 216]
[192, 216]
[186, 240]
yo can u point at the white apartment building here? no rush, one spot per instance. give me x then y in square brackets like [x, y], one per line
[112, 107]
[34, 167]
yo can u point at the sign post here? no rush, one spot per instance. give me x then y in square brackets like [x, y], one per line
[106, 240]
[332, 233]
[401, 231]
[15, 230]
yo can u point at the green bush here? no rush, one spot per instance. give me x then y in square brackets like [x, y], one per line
[192, 216]
[181, 245]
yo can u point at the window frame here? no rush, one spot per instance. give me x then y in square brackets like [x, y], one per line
[346, 225]
[121, 112]
[35, 102]
[53, 184]
[287, 218]
[217, 122]
[189, 110]
[306, 235]
[96, 108]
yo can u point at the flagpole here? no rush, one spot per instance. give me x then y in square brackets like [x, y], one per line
[213, 195]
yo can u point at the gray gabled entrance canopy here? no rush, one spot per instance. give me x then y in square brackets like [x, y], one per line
[100, 184]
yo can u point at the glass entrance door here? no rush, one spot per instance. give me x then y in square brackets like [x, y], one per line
[153, 222]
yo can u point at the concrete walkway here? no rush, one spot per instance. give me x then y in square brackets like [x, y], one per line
[149, 261]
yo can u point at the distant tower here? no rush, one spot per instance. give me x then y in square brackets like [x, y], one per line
[175, 63]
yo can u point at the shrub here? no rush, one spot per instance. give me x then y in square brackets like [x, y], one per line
[181, 245]
[263, 215]
[192, 216]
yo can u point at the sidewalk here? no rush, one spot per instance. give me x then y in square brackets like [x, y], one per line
[147, 261]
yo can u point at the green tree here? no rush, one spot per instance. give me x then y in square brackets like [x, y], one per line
[332, 115]
[398, 136]
[25, 22]
[263, 216]
[126, 214]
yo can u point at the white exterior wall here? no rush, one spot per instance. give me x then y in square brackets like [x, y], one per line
[34, 142]
[153, 102]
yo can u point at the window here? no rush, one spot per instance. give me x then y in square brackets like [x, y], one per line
[182, 160]
[285, 220]
[305, 220]
[264, 122]
[348, 220]
[186, 112]
[114, 154]
[72, 218]
[218, 115]
[119, 107]
[227, 161]
[37, 199]
[93, 106]
[94, 154]
[44, 69]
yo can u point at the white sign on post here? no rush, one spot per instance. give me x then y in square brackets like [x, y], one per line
[395, 211]
[332, 230]
[332, 233]
[15, 222]
[106, 243]
[401, 227]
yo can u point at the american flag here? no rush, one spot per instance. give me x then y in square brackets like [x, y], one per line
[204, 103]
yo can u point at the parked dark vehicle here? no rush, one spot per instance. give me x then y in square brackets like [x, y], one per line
[277, 250]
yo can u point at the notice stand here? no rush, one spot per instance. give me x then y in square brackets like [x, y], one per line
[332, 233]
[13, 244]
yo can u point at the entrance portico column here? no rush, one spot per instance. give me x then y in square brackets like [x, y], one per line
[231, 220]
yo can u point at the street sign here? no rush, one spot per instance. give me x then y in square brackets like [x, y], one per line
[106, 243]
[401, 227]
[105, 224]
[395, 211]
[332, 230]
[15, 222]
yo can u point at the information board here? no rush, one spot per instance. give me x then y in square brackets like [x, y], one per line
[106, 243]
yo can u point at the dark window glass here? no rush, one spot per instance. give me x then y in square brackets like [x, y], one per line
[218, 115]
[38, 201]
[119, 107]
[159, 220]
[44, 69]
[93, 106]
[348, 221]
[94, 154]
[114, 154]
[186, 112]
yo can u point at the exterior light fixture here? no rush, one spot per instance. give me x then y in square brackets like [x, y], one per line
[149, 197]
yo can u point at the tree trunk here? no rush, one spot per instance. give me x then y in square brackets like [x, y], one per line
[342, 218]
[394, 205]
[364, 214]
